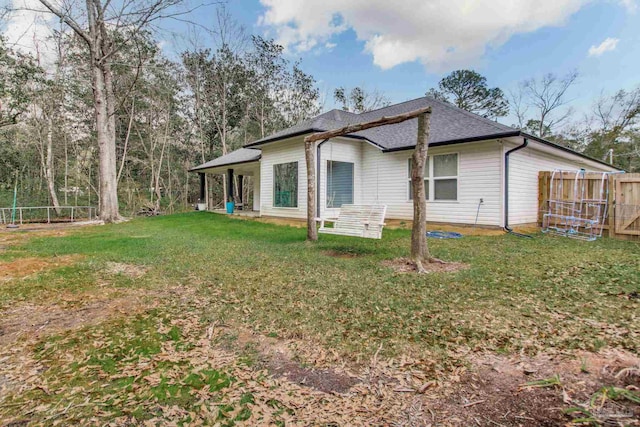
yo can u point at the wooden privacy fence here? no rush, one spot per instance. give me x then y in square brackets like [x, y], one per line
[620, 200]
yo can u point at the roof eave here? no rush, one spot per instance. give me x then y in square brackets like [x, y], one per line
[308, 131]
[457, 141]
[279, 138]
[566, 149]
[202, 167]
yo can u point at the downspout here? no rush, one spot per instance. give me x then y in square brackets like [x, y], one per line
[506, 189]
[318, 169]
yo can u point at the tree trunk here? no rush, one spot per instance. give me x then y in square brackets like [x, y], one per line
[105, 130]
[419, 249]
[310, 156]
[126, 141]
[66, 170]
[48, 170]
[159, 170]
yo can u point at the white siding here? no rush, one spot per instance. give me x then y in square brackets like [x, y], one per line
[291, 150]
[479, 176]
[384, 178]
[524, 166]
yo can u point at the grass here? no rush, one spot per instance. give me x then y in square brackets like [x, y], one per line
[520, 295]
[266, 276]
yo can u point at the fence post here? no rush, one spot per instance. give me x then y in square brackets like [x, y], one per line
[611, 209]
[20, 216]
[543, 194]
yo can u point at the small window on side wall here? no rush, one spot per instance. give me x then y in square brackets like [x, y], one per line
[440, 178]
[285, 185]
[445, 177]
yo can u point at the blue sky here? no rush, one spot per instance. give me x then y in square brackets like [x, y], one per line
[404, 48]
[557, 48]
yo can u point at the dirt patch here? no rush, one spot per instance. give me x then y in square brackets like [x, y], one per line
[31, 320]
[281, 360]
[465, 230]
[130, 270]
[325, 380]
[23, 267]
[405, 265]
[77, 310]
[522, 391]
[12, 237]
[290, 222]
[339, 254]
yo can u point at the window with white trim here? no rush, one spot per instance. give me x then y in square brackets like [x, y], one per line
[440, 178]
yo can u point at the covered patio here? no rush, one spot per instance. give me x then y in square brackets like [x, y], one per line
[235, 166]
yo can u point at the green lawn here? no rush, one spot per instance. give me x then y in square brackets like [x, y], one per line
[519, 295]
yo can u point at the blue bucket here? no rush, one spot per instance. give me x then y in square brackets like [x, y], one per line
[230, 207]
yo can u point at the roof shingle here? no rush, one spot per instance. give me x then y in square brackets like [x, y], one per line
[448, 123]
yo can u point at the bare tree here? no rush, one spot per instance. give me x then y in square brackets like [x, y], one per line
[618, 112]
[548, 96]
[95, 24]
[613, 129]
[360, 100]
[518, 106]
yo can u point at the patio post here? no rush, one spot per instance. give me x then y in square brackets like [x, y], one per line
[203, 196]
[229, 185]
[240, 192]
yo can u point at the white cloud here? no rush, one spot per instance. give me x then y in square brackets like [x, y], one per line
[630, 5]
[608, 44]
[29, 31]
[442, 34]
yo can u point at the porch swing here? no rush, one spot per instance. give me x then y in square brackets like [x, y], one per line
[365, 221]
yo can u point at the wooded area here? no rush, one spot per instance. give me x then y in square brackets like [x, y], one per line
[115, 121]
[166, 115]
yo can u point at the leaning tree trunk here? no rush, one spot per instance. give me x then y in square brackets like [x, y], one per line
[419, 248]
[48, 170]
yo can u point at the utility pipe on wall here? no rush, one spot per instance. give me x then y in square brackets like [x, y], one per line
[506, 188]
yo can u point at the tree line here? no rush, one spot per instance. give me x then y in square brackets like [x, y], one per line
[610, 130]
[115, 122]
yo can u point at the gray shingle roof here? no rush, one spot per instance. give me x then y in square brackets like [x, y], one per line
[448, 123]
[242, 155]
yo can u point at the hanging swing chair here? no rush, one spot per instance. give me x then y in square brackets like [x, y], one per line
[365, 221]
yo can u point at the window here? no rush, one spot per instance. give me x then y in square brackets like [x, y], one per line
[440, 177]
[339, 184]
[445, 177]
[285, 185]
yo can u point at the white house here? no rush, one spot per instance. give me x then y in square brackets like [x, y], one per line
[479, 171]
